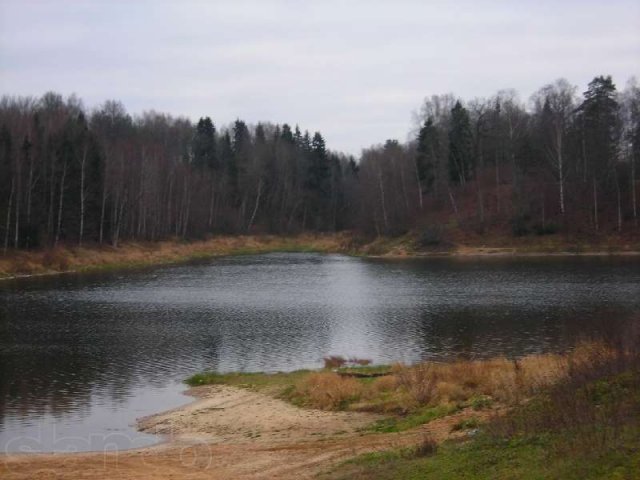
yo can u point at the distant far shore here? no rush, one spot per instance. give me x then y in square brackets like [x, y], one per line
[93, 257]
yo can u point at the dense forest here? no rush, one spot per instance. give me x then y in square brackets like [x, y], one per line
[561, 162]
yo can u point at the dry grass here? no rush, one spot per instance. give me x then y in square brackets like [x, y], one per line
[503, 380]
[92, 257]
[72, 258]
[466, 383]
[328, 390]
[418, 381]
[594, 404]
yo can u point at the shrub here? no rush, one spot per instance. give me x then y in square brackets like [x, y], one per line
[334, 361]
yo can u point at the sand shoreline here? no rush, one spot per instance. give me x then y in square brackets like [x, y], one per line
[229, 432]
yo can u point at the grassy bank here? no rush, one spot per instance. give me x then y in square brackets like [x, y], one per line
[67, 258]
[575, 415]
[139, 254]
[585, 427]
[407, 393]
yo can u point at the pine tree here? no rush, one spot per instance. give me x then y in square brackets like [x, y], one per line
[601, 130]
[286, 134]
[427, 158]
[601, 123]
[319, 167]
[460, 145]
[297, 136]
[229, 162]
[204, 145]
[317, 184]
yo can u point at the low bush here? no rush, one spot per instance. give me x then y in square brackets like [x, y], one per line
[334, 361]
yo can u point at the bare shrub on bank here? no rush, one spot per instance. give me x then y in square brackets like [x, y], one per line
[334, 361]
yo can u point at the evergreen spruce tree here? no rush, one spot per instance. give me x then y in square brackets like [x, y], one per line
[601, 123]
[428, 150]
[317, 184]
[204, 145]
[297, 136]
[228, 161]
[460, 145]
[286, 134]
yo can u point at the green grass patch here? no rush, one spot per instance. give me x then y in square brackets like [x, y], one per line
[488, 458]
[278, 383]
[373, 370]
[530, 442]
[413, 420]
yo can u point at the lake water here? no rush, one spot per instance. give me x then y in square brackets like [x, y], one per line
[83, 356]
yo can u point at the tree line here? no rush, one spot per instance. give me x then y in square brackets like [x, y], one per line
[563, 162]
[104, 176]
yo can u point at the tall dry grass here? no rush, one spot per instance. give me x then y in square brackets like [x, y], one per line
[501, 379]
[593, 404]
[327, 391]
[411, 387]
[71, 258]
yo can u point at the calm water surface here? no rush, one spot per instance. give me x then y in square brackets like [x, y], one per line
[83, 356]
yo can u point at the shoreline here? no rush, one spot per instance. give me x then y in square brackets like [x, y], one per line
[136, 255]
[250, 426]
[233, 432]
[515, 254]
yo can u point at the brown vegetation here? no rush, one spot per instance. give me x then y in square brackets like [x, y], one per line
[65, 258]
[246, 433]
[481, 382]
[597, 397]
[70, 258]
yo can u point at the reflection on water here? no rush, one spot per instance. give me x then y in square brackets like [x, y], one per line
[81, 356]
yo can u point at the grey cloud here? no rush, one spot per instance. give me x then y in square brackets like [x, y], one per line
[353, 69]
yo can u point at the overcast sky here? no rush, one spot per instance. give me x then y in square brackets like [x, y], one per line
[354, 70]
